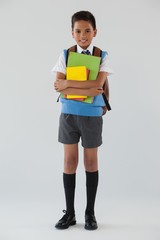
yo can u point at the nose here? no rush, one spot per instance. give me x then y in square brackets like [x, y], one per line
[83, 34]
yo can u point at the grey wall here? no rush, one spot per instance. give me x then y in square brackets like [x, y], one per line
[33, 33]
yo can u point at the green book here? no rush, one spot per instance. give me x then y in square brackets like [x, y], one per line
[91, 62]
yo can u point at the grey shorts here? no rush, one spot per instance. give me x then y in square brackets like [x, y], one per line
[74, 127]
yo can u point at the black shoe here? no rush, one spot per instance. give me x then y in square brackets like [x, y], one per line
[66, 221]
[90, 222]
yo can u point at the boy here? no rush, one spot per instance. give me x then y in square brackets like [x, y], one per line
[81, 120]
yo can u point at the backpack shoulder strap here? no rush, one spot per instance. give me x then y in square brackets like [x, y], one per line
[71, 49]
[97, 52]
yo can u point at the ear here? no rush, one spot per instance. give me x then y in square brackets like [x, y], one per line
[72, 34]
[95, 32]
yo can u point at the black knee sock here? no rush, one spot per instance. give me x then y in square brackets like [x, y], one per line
[69, 188]
[91, 190]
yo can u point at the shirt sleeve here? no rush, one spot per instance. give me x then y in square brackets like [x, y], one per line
[60, 66]
[104, 67]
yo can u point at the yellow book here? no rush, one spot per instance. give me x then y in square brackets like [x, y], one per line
[77, 73]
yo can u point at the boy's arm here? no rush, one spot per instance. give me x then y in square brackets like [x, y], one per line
[76, 91]
[60, 84]
[89, 91]
[79, 91]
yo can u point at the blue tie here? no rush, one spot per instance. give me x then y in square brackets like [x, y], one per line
[86, 52]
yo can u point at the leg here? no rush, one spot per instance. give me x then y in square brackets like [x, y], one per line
[69, 175]
[91, 159]
[69, 136]
[91, 167]
[70, 158]
[69, 179]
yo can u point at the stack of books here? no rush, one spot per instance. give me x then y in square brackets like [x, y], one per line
[77, 73]
[81, 67]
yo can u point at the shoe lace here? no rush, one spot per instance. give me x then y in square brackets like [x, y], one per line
[91, 218]
[65, 216]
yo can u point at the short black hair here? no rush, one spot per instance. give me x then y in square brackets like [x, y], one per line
[83, 15]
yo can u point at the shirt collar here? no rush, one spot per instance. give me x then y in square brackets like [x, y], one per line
[90, 48]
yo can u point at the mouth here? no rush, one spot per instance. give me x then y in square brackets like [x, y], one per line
[83, 41]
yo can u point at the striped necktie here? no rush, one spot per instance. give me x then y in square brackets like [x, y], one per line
[87, 52]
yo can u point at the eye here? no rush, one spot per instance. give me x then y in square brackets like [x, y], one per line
[88, 30]
[77, 31]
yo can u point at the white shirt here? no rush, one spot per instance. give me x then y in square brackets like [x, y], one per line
[60, 66]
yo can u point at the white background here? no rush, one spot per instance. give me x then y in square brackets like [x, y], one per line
[32, 35]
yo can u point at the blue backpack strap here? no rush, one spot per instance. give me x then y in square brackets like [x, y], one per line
[65, 51]
[104, 53]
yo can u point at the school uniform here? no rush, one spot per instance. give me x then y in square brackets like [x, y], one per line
[78, 117]
[79, 120]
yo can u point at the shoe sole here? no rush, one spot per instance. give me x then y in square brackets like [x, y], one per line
[90, 228]
[67, 226]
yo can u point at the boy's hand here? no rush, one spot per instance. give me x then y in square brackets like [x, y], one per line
[94, 92]
[104, 110]
[60, 84]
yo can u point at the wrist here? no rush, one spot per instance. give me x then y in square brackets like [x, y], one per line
[67, 85]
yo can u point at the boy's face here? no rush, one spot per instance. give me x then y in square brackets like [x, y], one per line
[83, 33]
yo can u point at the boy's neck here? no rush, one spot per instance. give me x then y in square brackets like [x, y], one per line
[90, 48]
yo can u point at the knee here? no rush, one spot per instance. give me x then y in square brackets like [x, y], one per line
[70, 164]
[90, 165]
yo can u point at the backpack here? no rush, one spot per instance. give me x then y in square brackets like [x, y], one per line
[98, 53]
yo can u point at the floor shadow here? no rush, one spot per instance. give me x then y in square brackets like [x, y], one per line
[79, 226]
[125, 226]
